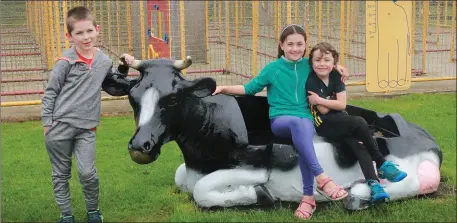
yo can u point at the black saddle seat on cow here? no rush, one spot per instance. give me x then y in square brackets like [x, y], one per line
[273, 151]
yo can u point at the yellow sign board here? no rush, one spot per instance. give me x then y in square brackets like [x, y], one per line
[388, 45]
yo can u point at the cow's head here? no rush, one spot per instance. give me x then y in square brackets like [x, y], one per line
[156, 100]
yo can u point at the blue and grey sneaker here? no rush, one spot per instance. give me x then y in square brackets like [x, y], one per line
[377, 191]
[389, 171]
[94, 216]
[67, 219]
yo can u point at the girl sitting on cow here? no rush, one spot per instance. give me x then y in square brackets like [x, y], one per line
[327, 96]
[289, 114]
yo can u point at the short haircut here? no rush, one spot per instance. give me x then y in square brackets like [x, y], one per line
[324, 47]
[76, 14]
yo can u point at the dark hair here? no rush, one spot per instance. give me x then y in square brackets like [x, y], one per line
[324, 47]
[289, 30]
[77, 14]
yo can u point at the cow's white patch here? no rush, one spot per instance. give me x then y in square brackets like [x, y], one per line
[148, 105]
[228, 187]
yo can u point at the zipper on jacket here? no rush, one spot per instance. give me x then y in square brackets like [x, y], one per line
[296, 83]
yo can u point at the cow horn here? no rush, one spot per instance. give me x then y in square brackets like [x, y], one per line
[183, 64]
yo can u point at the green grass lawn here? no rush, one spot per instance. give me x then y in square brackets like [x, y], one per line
[139, 193]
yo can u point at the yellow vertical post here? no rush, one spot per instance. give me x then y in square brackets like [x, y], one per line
[236, 23]
[275, 16]
[315, 13]
[159, 24]
[279, 19]
[297, 16]
[289, 12]
[353, 22]
[342, 32]
[36, 19]
[319, 32]
[129, 26]
[44, 31]
[57, 19]
[424, 36]
[51, 31]
[30, 11]
[445, 13]
[413, 28]
[118, 24]
[47, 34]
[220, 19]
[328, 17]
[182, 30]
[27, 15]
[94, 8]
[348, 26]
[207, 33]
[64, 15]
[108, 12]
[100, 18]
[142, 34]
[227, 36]
[214, 12]
[39, 25]
[438, 24]
[453, 32]
[307, 28]
[255, 33]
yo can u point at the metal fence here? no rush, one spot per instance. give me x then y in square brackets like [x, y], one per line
[228, 40]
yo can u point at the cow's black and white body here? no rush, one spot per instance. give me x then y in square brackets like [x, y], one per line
[232, 158]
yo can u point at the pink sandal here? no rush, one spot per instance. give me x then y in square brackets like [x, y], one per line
[332, 194]
[303, 210]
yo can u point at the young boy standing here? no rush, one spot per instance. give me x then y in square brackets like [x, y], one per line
[71, 111]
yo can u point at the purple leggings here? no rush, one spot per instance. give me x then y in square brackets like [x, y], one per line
[301, 130]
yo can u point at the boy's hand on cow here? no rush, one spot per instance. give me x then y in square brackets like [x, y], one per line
[343, 71]
[218, 90]
[45, 130]
[128, 58]
[314, 99]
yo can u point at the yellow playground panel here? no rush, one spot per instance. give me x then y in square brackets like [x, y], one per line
[388, 48]
[386, 45]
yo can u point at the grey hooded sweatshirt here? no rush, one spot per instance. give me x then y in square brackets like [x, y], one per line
[73, 93]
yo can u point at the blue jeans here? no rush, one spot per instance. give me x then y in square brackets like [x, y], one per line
[301, 130]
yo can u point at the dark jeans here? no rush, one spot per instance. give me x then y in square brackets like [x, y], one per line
[353, 130]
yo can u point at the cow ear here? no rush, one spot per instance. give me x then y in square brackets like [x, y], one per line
[201, 87]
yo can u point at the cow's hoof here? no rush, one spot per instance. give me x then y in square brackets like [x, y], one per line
[264, 196]
[354, 203]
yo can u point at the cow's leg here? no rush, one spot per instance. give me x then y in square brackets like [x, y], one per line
[180, 178]
[186, 178]
[232, 187]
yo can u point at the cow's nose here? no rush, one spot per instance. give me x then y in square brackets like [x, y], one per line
[140, 144]
[134, 143]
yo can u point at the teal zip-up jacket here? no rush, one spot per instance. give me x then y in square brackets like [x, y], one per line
[285, 81]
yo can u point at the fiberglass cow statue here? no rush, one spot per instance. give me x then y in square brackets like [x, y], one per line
[231, 158]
